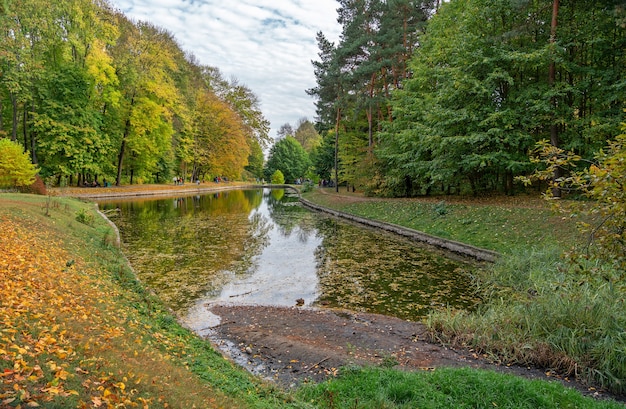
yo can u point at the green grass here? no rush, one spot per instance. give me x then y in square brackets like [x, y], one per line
[443, 388]
[495, 226]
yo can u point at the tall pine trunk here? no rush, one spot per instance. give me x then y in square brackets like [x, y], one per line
[337, 149]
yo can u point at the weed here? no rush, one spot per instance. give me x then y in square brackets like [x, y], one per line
[84, 217]
[441, 209]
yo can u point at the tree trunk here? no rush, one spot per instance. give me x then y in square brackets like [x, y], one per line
[25, 129]
[554, 130]
[1, 122]
[120, 156]
[33, 141]
[14, 117]
[337, 149]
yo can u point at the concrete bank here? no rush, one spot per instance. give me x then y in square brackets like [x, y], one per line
[449, 245]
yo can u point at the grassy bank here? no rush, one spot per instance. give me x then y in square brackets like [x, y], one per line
[541, 308]
[503, 224]
[78, 330]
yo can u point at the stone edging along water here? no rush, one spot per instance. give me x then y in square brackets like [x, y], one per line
[449, 245]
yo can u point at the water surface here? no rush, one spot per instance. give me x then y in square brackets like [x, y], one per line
[261, 247]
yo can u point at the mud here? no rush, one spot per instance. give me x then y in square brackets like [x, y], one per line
[292, 345]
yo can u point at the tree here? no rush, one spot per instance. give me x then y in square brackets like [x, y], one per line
[278, 178]
[480, 96]
[288, 156]
[69, 139]
[330, 92]
[255, 160]
[144, 59]
[220, 144]
[323, 156]
[356, 77]
[15, 166]
[307, 135]
[603, 182]
[284, 131]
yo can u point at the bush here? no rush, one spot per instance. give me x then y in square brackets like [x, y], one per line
[278, 178]
[36, 188]
[15, 166]
[84, 217]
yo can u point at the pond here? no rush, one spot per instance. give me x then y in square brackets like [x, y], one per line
[262, 247]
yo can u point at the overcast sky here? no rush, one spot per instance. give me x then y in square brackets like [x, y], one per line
[267, 45]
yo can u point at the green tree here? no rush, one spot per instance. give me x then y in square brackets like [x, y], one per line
[288, 156]
[69, 139]
[144, 57]
[15, 166]
[255, 160]
[323, 156]
[480, 95]
[278, 178]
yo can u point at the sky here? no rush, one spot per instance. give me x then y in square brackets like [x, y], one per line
[267, 45]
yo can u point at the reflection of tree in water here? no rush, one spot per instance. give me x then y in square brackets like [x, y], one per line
[257, 240]
[181, 247]
[288, 215]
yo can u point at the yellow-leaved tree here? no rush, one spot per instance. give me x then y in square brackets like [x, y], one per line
[15, 166]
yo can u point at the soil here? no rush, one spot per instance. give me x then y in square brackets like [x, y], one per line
[292, 345]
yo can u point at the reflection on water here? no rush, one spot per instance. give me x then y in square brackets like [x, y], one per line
[261, 247]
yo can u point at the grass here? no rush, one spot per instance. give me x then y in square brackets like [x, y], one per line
[378, 388]
[546, 303]
[502, 224]
[78, 330]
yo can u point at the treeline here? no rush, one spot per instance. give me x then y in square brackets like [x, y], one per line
[423, 97]
[92, 94]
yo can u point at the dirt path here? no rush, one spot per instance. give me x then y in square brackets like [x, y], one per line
[294, 345]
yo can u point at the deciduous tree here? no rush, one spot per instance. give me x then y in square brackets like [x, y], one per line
[15, 166]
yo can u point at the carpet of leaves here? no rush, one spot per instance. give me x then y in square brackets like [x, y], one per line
[40, 310]
[64, 339]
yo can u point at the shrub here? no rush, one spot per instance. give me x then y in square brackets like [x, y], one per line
[36, 188]
[278, 178]
[15, 166]
[84, 217]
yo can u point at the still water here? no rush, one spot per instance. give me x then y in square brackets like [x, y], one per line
[261, 247]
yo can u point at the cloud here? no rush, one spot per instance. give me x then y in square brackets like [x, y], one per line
[265, 44]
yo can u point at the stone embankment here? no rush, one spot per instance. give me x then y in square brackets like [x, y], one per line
[456, 247]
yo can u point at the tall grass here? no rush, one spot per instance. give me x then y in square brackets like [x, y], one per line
[549, 312]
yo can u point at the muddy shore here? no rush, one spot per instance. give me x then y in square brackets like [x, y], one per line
[293, 345]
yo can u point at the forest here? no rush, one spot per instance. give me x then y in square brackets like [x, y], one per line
[423, 97]
[417, 97]
[95, 97]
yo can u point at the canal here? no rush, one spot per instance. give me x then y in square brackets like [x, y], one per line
[262, 247]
